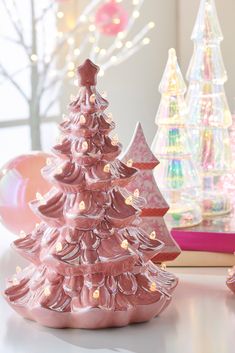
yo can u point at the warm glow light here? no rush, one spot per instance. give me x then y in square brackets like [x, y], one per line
[70, 74]
[92, 28]
[77, 51]
[110, 117]
[153, 287]
[231, 272]
[96, 294]
[92, 98]
[129, 44]
[82, 206]
[113, 58]
[121, 35]
[116, 21]
[129, 163]
[124, 244]
[82, 119]
[47, 291]
[65, 117]
[22, 234]
[136, 193]
[115, 140]
[15, 281]
[83, 18]
[58, 246]
[119, 45]
[91, 39]
[40, 198]
[136, 14]
[84, 145]
[59, 34]
[71, 66]
[18, 269]
[151, 25]
[152, 235]
[60, 14]
[48, 161]
[103, 51]
[70, 41]
[128, 200]
[106, 168]
[34, 57]
[146, 41]
[59, 170]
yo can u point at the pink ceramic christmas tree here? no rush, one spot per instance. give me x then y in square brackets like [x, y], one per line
[140, 156]
[231, 279]
[91, 262]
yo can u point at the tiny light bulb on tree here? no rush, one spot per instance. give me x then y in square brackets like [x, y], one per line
[107, 168]
[82, 206]
[84, 146]
[129, 200]
[92, 98]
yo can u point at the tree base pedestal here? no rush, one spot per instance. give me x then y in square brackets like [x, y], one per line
[92, 318]
[183, 214]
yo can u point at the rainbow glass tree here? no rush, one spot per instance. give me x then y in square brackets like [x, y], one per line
[91, 262]
[176, 175]
[209, 114]
[139, 155]
[228, 180]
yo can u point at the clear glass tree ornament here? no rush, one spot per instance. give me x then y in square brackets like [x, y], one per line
[176, 175]
[209, 114]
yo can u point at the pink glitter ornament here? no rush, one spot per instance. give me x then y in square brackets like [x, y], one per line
[111, 18]
[20, 180]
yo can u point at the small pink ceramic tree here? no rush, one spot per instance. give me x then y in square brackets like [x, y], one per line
[140, 156]
[91, 262]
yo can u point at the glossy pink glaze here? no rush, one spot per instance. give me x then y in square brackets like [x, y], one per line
[91, 261]
[156, 207]
[231, 280]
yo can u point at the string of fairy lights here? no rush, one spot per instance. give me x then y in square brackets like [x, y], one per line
[121, 47]
[105, 57]
[74, 35]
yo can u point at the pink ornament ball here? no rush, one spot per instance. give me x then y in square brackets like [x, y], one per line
[20, 179]
[111, 18]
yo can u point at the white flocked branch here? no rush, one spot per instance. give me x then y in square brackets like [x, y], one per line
[45, 74]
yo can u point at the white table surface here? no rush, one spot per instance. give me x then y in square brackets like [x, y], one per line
[200, 319]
